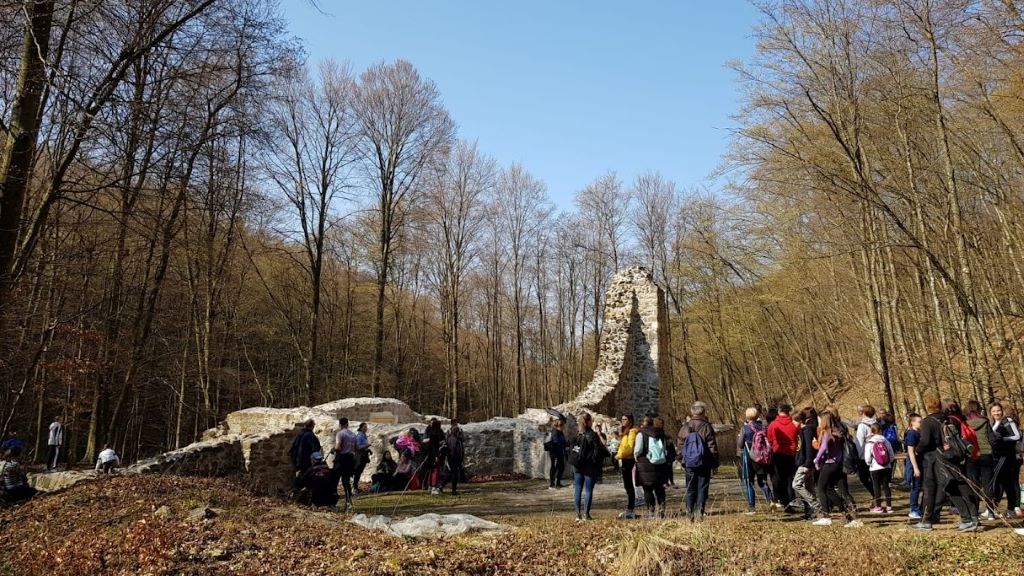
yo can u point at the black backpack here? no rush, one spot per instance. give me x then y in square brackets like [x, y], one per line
[851, 455]
[954, 448]
[582, 451]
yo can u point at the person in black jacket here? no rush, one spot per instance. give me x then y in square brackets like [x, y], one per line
[320, 481]
[928, 453]
[302, 449]
[807, 421]
[586, 455]
[652, 476]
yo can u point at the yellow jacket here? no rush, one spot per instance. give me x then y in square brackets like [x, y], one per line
[626, 444]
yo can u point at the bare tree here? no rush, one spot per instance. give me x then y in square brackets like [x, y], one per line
[402, 129]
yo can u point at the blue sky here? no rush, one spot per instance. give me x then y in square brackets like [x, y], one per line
[569, 89]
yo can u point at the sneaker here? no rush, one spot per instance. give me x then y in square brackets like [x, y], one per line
[551, 487]
[1018, 531]
[823, 522]
[889, 510]
[988, 515]
[579, 518]
[588, 518]
[1017, 512]
[914, 515]
[925, 526]
[967, 526]
[627, 515]
[854, 524]
[750, 513]
[876, 510]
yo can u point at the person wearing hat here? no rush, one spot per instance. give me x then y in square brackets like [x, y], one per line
[303, 447]
[320, 482]
[345, 447]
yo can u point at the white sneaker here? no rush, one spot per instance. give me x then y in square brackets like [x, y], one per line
[854, 524]
[1018, 531]
[823, 522]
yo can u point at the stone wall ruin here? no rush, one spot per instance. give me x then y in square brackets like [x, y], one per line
[253, 443]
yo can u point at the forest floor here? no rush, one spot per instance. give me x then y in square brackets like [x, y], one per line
[142, 525]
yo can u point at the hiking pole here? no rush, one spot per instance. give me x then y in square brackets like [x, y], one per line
[973, 487]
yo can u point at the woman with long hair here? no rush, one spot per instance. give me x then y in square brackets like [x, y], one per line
[650, 454]
[586, 455]
[829, 463]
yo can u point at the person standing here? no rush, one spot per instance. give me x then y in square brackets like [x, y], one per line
[456, 455]
[437, 451]
[879, 455]
[913, 465]
[928, 453]
[828, 461]
[980, 470]
[953, 473]
[303, 446]
[783, 434]
[807, 422]
[867, 419]
[700, 456]
[624, 455]
[1005, 435]
[345, 458]
[556, 452]
[650, 456]
[585, 455]
[750, 470]
[362, 455]
[54, 443]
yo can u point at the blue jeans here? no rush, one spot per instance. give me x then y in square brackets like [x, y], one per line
[914, 484]
[581, 483]
[698, 482]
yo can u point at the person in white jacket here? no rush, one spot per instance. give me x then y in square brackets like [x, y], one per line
[879, 456]
[107, 460]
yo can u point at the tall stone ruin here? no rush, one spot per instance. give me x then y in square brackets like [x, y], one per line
[633, 349]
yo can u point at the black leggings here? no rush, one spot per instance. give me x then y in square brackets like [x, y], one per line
[832, 477]
[557, 467]
[627, 483]
[654, 493]
[880, 482]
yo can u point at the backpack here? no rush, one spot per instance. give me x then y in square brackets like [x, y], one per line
[880, 454]
[549, 443]
[582, 452]
[955, 448]
[893, 436]
[969, 436]
[693, 450]
[852, 458]
[761, 448]
[655, 449]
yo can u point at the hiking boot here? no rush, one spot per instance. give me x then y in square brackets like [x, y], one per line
[925, 526]
[854, 524]
[826, 521]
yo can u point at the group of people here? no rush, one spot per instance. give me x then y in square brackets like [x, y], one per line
[14, 483]
[429, 461]
[644, 456]
[801, 463]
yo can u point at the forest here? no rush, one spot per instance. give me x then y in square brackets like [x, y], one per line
[196, 218]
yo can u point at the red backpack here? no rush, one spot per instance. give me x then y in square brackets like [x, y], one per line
[968, 434]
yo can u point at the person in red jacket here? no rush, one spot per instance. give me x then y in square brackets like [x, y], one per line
[783, 434]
